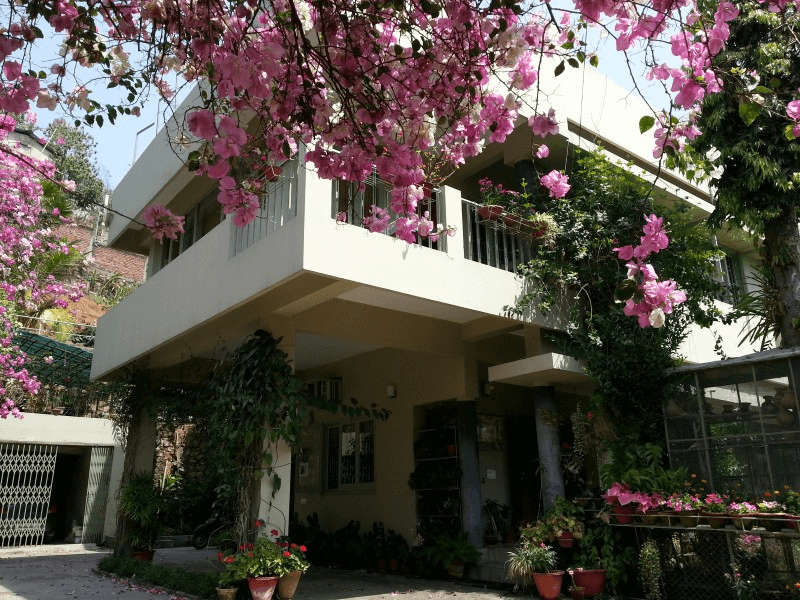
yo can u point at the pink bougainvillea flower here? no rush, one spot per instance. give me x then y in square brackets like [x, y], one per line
[793, 110]
[162, 223]
[542, 125]
[543, 151]
[557, 183]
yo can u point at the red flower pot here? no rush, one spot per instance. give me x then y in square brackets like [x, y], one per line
[593, 581]
[262, 588]
[143, 555]
[566, 540]
[548, 585]
[623, 514]
[490, 211]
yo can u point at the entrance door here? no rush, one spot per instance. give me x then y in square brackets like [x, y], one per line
[523, 468]
[26, 479]
[94, 513]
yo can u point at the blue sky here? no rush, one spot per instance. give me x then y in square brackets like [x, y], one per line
[115, 144]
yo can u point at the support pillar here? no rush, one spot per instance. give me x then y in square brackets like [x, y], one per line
[549, 445]
[471, 501]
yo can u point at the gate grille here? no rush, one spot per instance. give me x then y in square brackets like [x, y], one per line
[26, 480]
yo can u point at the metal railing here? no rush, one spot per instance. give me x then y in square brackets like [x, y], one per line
[355, 202]
[491, 245]
[278, 207]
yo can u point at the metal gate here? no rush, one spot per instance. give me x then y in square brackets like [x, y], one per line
[26, 480]
[94, 512]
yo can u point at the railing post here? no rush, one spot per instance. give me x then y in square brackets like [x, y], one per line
[451, 200]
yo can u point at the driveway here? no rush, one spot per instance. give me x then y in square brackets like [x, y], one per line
[66, 573]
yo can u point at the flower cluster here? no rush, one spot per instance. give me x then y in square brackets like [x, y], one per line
[162, 223]
[26, 238]
[649, 300]
[793, 112]
[384, 86]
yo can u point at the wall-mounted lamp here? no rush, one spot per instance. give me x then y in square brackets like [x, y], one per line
[391, 391]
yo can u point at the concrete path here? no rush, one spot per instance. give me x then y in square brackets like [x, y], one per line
[66, 573]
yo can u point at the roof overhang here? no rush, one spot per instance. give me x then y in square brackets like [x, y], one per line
[541, 370]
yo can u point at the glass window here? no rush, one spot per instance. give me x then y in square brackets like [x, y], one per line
[351, 454]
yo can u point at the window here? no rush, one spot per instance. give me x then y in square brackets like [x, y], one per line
[351, 455]
[728, 274]
[201, 219]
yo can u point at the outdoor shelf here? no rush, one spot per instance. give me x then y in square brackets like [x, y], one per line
[788, 533]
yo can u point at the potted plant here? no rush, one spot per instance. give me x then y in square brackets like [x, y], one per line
[770, 513]
[537, 561]
[715, 510]
[743, 514]
[564, 522]
[495, 199]
[259, 564]
[230, 578]
[289, 567]
[578, 592]
[686, 508]
[451, 554]
[140, 502]
[396, 550]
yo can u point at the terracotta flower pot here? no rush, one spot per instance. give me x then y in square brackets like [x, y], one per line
[566, 540]
[456, 569]
[578, 593]
[744, 521]
[490, 211]
[548, 585]
[593, 581]
[623, 514]
[287, 585]
[716, 520]
[226, 593]
[144, 555]
[262, 588]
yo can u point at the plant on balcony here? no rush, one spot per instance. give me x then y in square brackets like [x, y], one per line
[515, 211]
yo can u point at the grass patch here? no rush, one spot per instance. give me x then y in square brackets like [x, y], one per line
[174, 578]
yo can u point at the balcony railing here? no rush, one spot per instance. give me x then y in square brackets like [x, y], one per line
[490, 245]
[355, 201]
[278, 207]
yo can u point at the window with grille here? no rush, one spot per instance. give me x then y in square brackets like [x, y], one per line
[728, 274]
[351, 455]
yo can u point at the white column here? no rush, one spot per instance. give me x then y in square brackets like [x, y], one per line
[450, 198]
[275, 509]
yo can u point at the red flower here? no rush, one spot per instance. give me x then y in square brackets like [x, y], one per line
[219, 556]
[228, 559]
[259, 523]
[249, 555]
[303, 549]
[292, 545]
[275, 532]
[241, 547]
[287, 553]
[590, 415]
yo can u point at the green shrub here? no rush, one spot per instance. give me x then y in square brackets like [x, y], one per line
[174, 578]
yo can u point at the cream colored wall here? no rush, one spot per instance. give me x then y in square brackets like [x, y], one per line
[419, 379]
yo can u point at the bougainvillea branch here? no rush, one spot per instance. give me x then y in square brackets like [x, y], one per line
[26, 238]
[647, 298]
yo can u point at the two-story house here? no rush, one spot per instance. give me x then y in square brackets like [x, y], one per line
[418, 329]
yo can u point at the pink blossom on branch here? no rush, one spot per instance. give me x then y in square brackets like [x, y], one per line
[656, 299]
[557, 183]
[162, 223]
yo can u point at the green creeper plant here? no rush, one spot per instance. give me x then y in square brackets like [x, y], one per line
[575, 280]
